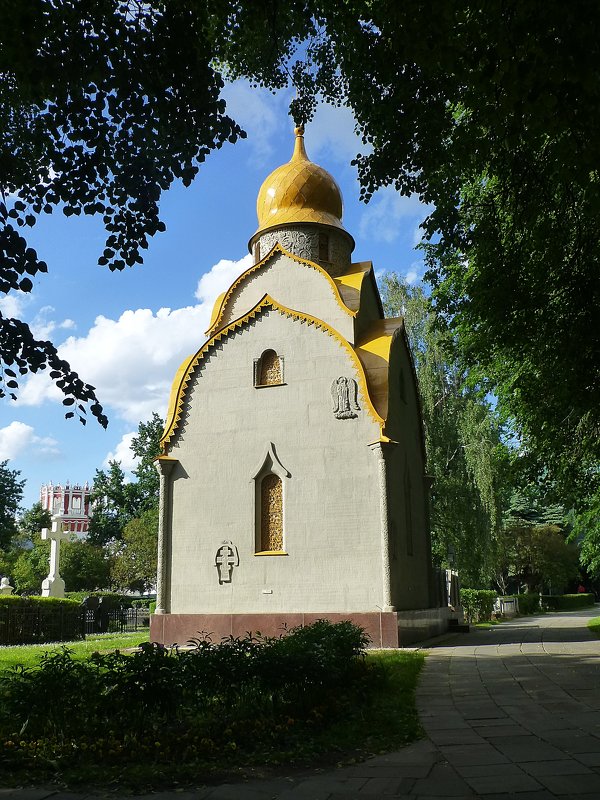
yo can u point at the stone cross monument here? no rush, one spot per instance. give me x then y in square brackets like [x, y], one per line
[53, 585]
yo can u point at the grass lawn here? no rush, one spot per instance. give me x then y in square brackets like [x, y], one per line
[28, 655]
[594, 626]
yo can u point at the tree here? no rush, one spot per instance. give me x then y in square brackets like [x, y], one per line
[116, 502]
[84, 567]
[30, 567]
[113, 505]
[462, 438]
[586, 532]
[135, 559]
[539, 556]
[100, 111]
[32, 521]
[486, 111]
[11, 494]
[146, 448]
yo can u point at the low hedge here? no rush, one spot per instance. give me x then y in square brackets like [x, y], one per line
[477, 604]
[528, 603]
[533, 603]
[567, 602]
[35, 620]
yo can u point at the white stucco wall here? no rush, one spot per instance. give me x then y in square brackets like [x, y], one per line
[331, 501]
[294, 285]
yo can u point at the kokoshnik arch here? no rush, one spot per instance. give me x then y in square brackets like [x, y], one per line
[293, 482]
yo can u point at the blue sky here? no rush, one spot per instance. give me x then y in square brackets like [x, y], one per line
[126, 333]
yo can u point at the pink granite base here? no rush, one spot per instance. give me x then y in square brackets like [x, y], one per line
[171, 629]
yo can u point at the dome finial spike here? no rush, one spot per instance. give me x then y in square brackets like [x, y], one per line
[299, 151]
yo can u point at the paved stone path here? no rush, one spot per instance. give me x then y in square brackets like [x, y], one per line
[510, 712]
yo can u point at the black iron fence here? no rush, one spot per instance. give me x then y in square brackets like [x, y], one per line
[116, 620]
[37, 625]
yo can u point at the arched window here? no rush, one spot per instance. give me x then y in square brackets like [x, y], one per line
[271, 514]
[268, 482]
[268, 369]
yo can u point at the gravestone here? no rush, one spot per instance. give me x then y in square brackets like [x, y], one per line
[53, 585]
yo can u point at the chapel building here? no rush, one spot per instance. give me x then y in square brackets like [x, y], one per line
[293, 475]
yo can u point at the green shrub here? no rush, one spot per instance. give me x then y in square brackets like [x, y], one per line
[477, 604]
[152, 607]
[312, 673]
[143, 602]
[567, 602]
[528, 603]
[30, 620]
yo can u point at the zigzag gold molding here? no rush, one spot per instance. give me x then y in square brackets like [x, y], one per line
[187, 368]
[223, 299]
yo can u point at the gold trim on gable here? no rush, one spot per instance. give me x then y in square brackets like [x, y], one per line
[350, 283]
[185, 371]
[373, 351]
[277, 249]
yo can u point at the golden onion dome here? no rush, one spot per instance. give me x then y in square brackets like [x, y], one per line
[299, 191]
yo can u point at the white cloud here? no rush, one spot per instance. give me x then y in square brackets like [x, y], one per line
[132, 360]
[388, 213]
[219, 278]
[123, 453]
[18, 437]
[42, 326]
[261, 114]
[331, 133]
[12, 305]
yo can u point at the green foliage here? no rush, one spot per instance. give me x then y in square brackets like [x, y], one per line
[33, 520]
[533, 603]
[146, 447]
[114, 505]
[118, 503]
[38, 619]
[538, 556]
[30, 567]
[247, 694]
[528, 603]
[100, 114]
[11, 493]
[594, 626]
[477, 604]
[586, 531]
[84, 566]
[30, 655]
[465, 456]
[135, 558]
[567, 602]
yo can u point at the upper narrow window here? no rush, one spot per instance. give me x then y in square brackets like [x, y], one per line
[256, 252]
[323, 246]
[271, 514]
[268, 369]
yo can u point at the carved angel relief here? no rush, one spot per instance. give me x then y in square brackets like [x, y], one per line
[344, 395]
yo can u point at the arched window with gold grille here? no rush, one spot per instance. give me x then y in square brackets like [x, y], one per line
[271, 514]
[268, 369]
